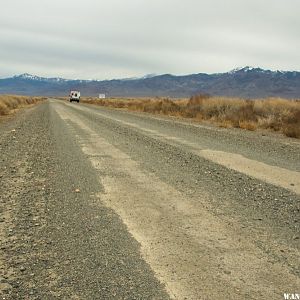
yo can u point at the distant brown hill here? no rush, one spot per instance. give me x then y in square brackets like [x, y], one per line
[245, 82]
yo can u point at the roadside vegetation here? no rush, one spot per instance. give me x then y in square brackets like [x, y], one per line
[275, 114]
[9, 103]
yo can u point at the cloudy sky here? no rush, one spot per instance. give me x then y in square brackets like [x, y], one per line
[104, 39]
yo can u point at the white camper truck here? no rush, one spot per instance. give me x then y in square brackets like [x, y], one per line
[74, 96]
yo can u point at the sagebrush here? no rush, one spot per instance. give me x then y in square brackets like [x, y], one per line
[9, 103]
[276, 114]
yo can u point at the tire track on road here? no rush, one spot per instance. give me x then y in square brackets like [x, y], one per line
[277, 176]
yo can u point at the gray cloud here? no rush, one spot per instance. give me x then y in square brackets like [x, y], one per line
[115, 38]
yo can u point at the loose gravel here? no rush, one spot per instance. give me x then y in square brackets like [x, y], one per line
[57, 241]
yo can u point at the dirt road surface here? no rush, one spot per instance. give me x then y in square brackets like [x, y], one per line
[106, 204]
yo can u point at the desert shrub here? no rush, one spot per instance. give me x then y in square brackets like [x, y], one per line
[274, 113]
[291, 131]
[249, 125]
[4, 110]
[9, 103]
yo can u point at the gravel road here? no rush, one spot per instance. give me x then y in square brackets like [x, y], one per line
[106, 204]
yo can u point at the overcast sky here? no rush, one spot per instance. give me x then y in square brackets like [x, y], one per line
[104, 39]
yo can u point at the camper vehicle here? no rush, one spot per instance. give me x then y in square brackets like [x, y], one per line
[74, 96]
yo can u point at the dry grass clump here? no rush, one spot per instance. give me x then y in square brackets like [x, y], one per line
[9, 103]
[149, 105]
[273, 113]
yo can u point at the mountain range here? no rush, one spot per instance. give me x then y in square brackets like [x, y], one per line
[244, 82]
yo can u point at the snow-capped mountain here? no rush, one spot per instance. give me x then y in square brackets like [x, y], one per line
[143, 77]
[253, 70]
[249, 82]
[27, 76]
